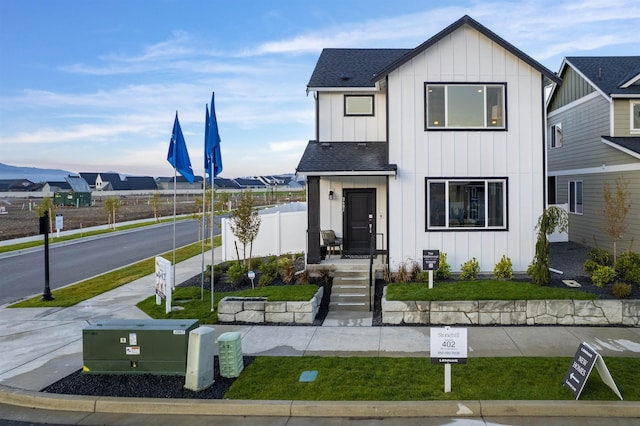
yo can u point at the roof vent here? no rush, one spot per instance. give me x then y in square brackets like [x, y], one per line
[345, 78]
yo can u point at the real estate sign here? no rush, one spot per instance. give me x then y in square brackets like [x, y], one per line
[448, 345]
[581, 365]
[163, 282]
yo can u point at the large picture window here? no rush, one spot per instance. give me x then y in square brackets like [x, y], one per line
[575, 196]
[466, 203]
[465, 106]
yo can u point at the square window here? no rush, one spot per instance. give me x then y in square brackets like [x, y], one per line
[358, 105]
[465, 106]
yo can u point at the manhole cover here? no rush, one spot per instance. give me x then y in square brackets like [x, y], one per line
[572, 283]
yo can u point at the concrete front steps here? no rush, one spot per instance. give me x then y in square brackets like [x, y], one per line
[350, 290]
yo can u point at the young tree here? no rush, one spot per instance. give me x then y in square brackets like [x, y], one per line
[154, 202]
[245, 223]
[111, 206]
[551, 218]
[616, 208]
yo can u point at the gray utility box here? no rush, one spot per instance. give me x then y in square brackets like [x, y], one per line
[137, 346]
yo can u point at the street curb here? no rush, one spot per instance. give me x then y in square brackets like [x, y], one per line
[289, 408]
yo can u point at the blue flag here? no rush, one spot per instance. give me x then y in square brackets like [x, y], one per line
[178, 156]
[212, 156]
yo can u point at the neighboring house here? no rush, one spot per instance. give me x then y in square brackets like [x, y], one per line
[13, 185]
[181, 183]
[222, 183]
[104, 181]
[593, 122]
[440, 147]
[141, 183]
[248, 183]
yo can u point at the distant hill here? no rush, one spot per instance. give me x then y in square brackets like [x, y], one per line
[34, 174]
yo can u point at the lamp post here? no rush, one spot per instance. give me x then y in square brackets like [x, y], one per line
[44, 229]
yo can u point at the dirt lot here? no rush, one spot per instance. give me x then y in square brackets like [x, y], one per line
[22, 220]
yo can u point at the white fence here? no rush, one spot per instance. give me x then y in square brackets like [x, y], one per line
[559, 237]
[283, 229]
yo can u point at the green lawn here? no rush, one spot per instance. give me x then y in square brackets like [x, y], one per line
[482, 290]
[416, 379]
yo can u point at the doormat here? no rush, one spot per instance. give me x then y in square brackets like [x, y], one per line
[354, 256]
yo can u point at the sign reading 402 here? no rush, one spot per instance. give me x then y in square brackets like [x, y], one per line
[448, 345]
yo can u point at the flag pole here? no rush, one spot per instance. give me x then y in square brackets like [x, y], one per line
[212, 246]
[204, 209]
[173, 281]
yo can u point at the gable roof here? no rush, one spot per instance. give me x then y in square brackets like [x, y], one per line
[614, 76]
[629, 145]
[77, 184]
[353, 68]
[342, 158]
[141, 182]
[467, 20]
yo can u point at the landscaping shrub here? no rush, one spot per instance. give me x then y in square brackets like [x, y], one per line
[600, 256]
[387, 276]
[325, 275]
[422, 277]
[503, 269]
[237, 273]
[603, 275]
[287, 269]
[268, 272]
[303, 277]
[469, 270]
[444, 269]
[415, 270]
[255, 264]
[628, 266]
[403, 275]
[621, 290]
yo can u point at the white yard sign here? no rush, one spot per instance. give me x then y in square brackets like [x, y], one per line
[163, 282]
[448, 346]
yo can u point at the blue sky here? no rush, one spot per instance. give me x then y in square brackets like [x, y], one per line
[94, 85]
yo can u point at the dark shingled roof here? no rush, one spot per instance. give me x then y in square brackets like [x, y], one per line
[608, 73]
[351, 67]
[345, 156]
[630, 143]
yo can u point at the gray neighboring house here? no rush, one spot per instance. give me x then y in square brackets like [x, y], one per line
[141, 183]
[593, 129]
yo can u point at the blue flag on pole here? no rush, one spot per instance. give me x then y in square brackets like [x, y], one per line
[178, 155]
[212, 156]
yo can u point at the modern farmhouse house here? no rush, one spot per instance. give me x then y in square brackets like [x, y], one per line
[441, 147]
[594, 140]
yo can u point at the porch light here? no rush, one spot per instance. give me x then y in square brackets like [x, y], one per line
[331, 194]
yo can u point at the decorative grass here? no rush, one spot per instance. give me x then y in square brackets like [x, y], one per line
[197, 306]
[76, 293]
[416, 379]
[482, 290]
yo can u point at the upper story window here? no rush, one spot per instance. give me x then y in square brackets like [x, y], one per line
[555, 135]
[358, 105]
[465, 106]
[635, 116]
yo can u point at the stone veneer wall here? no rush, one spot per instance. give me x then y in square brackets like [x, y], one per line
[512, 312]
[257, 310]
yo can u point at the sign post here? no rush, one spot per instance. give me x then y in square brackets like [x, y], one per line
[581, 365]
[448, 346]
[430, 262]
[59, 224]
[163, 282]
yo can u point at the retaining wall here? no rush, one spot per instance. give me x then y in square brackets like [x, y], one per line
[512, 312]
[257, 310]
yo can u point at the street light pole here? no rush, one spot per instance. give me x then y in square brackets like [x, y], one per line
[44, 228]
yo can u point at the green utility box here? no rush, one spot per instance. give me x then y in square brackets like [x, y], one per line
[230, 354]
[137, 346]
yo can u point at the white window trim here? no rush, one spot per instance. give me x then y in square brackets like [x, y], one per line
[555, 136]
[573, 209]
[633, 130]
[446, 107]
[486, 181]
[367, 114]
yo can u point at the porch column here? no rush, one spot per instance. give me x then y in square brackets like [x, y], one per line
[313, 219]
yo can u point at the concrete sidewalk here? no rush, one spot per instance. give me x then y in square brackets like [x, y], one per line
[41, 346]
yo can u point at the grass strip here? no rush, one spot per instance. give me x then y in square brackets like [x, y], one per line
[197, 306]
[76, 293]
[482, 290]
[416, 379]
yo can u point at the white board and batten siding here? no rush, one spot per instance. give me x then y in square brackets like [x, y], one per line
[334, 126]
[465, 56]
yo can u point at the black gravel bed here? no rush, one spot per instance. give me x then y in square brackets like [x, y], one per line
[141, 385]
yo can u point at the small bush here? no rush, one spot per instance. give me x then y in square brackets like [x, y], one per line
[444, 269]
[590, 266]
[603, 275]
[469, 270]
[287, 269]
[268, 272]
[403, 275]
[255, 264]
[503, 269]
[415, 270]
[303, 277]
[600, 256]
[422, 277]
[325, 275]
[628, 266]
[387, 276]
[237, 273]
[621, 290]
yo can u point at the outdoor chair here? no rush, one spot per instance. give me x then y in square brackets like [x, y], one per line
[331, 241]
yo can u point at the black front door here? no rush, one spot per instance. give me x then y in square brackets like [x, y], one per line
[359, 220]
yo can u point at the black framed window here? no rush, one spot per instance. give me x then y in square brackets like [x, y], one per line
[575, 196]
